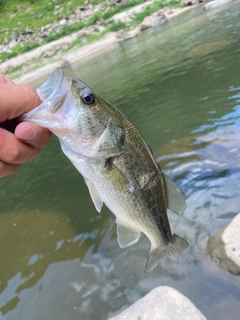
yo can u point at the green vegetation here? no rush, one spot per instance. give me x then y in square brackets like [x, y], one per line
[18, 15]
[155, 6]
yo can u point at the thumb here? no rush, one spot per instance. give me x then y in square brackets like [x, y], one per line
[16, 99]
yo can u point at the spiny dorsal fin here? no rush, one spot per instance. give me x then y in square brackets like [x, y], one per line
[94, 195]
[126, 236]
[175, 199]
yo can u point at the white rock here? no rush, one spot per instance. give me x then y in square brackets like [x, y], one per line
[216, 3]
[62, 22]
[162, 303]
[12, 44]
[224, 247]
[153, 21]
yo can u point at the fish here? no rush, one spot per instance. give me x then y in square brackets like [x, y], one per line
[116, 163]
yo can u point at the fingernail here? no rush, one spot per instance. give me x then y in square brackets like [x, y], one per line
[28, 133]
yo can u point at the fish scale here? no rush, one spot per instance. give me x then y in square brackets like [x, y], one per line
[115, 161]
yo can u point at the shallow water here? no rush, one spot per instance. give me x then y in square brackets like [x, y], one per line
[180, 85]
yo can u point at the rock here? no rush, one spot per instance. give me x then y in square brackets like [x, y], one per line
[90, 6]
[62, 22]
[188, 2]
[146, 24]
[64, 64]
[5, 41]
[28, 31]
[162, 303]
[168, 11]
[153, 21]
[114, 2]
[57, 12]
[9, 68]
[49, 53]
[127, 36]
[224, 247]
[20, 38]
[125, 3]
[12, 44]
[65, 46]
[13, 37]
[81, 34]
[216, 3]
[45, 34]
[100, 22]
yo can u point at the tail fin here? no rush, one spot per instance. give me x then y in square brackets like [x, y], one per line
[176, 245]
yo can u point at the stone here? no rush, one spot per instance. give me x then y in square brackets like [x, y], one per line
[114, 2]
[100, 22]
[81, 34]
[161, 303]
[125, 3]
[5, 41]
[64, 64]
[65, 46]
[12, 44]
[216, 3]
[13, 36]
[49, 53]
[62, 22]
[21, 38]
[57, 12]
[168, 11]
[224, 247]
[188, 2]
[153, 21]
[45, 34]
[28, 31]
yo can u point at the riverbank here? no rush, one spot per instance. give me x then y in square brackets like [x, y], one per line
[69, 49]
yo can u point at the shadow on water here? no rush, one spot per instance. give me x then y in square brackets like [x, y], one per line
[59, 258]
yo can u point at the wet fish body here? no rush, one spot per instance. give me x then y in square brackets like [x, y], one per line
[115, 161]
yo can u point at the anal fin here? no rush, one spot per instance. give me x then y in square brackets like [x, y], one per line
[126, 236]
[175, 200]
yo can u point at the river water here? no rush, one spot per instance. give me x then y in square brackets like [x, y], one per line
[180, 86]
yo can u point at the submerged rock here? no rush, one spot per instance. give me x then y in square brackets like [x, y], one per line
[162, 303]
[224, 247]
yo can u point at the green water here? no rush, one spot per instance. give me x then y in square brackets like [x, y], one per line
[180, 85]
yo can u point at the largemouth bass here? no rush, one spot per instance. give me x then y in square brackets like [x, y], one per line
[115, 161]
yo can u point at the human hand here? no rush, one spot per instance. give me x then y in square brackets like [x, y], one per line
[25, 143]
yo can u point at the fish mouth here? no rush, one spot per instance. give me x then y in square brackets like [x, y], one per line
[53, 93]
[51, 85]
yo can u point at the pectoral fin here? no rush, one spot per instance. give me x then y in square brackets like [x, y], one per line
[175, 199]
[94, 195]
[126, 236]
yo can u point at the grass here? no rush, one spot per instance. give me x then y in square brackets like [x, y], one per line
[155, 6]
[17, 15]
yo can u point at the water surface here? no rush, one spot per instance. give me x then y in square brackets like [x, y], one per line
[180, 86]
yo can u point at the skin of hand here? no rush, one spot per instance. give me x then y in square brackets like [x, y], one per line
[25, 141]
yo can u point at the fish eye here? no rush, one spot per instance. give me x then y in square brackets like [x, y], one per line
[88, 98]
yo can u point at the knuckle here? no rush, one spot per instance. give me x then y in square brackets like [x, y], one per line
[13, 154]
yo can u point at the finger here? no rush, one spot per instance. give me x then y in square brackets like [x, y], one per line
[5, 79]
[32, 134]
[16, 99]
[7, 169]
[15, 151]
